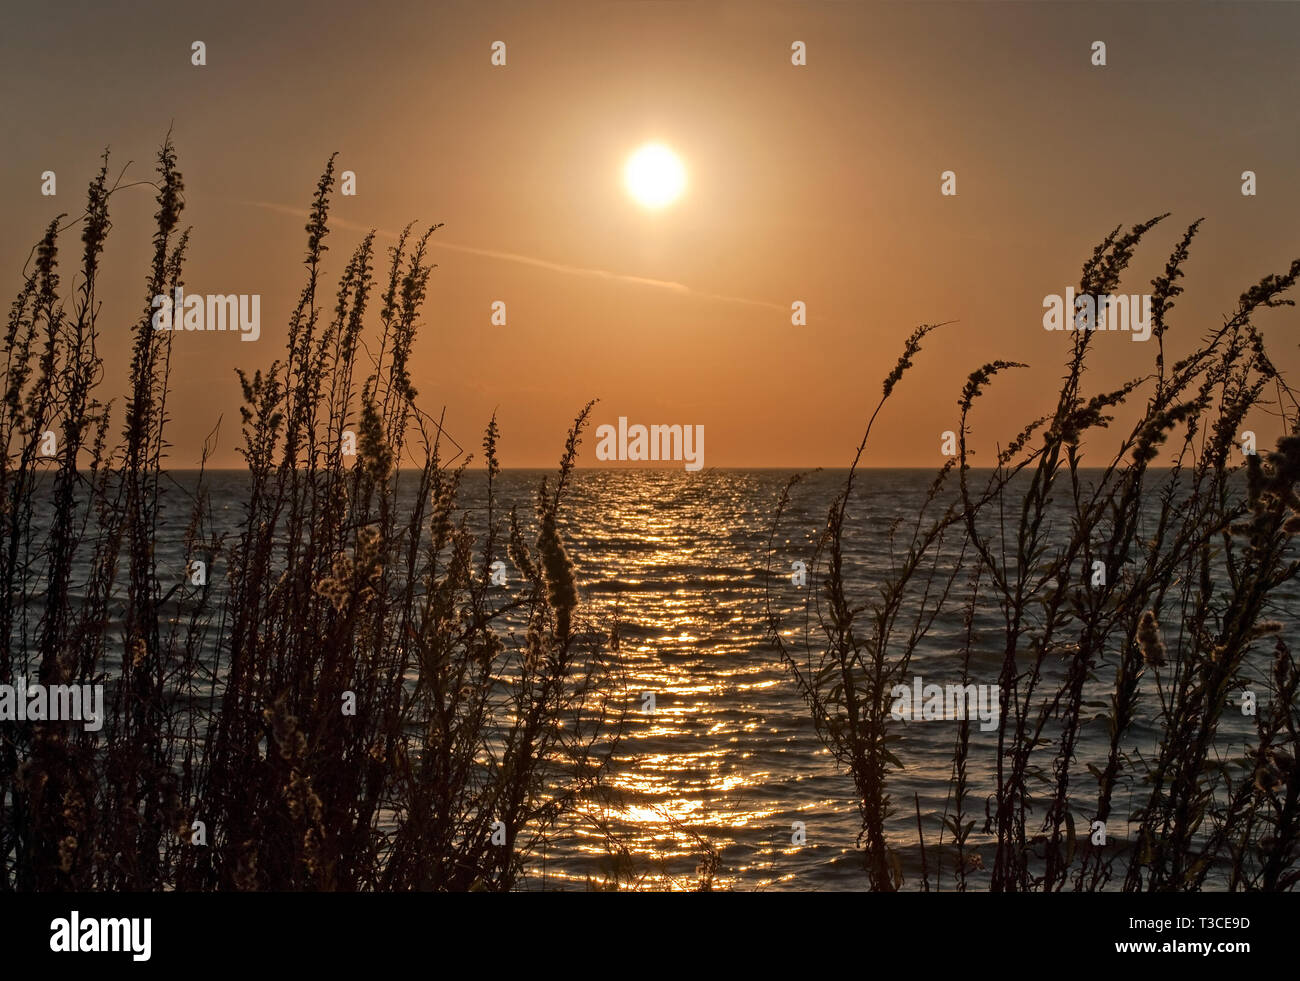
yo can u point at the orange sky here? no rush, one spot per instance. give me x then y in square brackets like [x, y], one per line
[817, 183]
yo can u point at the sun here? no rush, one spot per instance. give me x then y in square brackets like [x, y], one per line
[654, 176]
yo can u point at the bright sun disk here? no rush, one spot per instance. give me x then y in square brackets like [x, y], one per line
[655, 176]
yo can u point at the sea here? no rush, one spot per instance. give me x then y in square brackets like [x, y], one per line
[728, 762]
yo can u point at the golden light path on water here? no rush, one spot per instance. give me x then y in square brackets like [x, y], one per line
[708, 772]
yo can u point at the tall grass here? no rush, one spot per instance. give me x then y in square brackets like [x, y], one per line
[1198, 556]
[343, 701]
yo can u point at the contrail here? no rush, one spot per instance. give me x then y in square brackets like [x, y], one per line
[526, 260]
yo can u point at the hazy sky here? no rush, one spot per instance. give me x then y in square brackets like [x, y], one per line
[818, 183]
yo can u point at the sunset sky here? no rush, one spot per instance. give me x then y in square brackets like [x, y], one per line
[818, 183]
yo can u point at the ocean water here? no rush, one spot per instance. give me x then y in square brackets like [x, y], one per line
[730, 755]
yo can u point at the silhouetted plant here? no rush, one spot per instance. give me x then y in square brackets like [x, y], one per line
[348, 585]
[1199, 547]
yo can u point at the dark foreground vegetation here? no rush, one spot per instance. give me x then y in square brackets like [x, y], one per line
[335, 701]
[1186, 622]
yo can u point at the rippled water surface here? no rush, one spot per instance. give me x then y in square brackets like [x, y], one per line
[729, 755]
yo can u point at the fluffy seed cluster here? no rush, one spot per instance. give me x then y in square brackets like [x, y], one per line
[1149, 641]
[359, 576]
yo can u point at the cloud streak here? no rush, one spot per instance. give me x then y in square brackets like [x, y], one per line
[525, 260]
